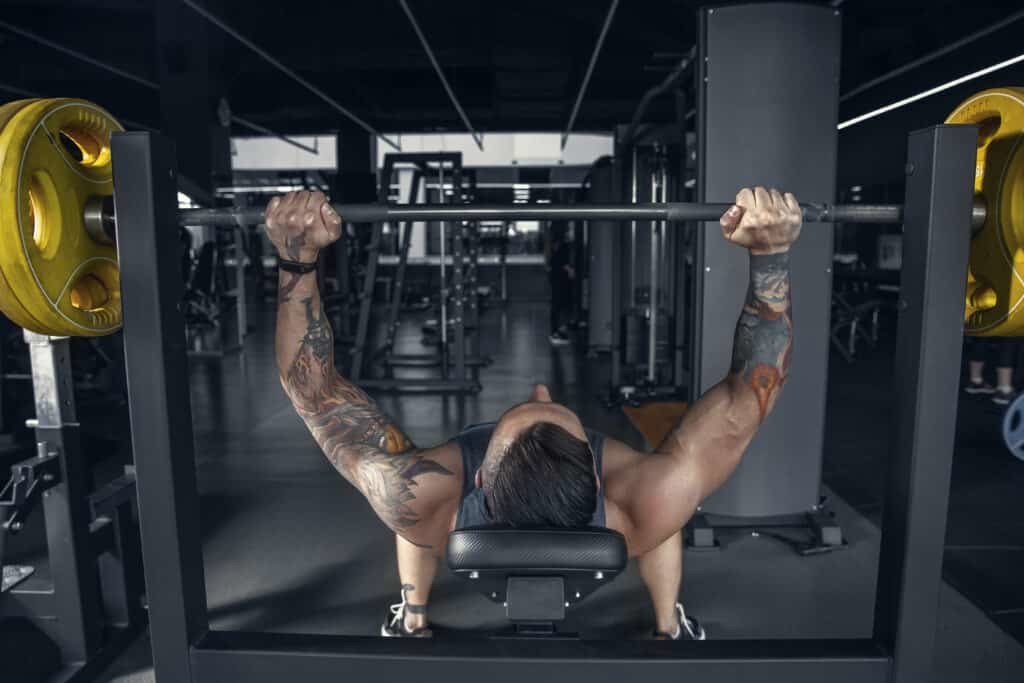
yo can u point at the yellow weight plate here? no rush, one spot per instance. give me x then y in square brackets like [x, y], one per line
[55, 156]
[9, 304]
[995, 279]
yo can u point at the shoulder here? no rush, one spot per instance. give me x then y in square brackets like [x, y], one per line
[643, 490]
[422, 508]
[618, 465]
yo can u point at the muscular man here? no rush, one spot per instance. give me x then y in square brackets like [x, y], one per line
[537, 465]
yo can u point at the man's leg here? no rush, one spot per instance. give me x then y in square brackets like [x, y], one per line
[416, 569]
[556, 305]
[662, 572]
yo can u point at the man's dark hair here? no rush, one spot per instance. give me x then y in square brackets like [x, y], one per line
[545, 478]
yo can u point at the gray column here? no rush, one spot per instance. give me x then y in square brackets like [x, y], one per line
[754, 132]
[191, 88]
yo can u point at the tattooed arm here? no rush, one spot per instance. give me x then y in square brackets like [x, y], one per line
[660, 494]
[408, 488]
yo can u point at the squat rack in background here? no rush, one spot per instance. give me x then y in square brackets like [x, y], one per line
[444, 168]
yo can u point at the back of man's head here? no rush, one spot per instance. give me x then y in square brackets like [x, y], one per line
[545, 478]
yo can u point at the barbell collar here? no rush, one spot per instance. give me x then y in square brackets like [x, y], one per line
[978, 213]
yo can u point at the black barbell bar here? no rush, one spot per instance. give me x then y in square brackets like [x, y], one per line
[678, 211]
[99, 219]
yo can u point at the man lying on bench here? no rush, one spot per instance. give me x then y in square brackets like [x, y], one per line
[537, 466]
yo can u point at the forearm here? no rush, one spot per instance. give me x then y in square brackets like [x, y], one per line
[304, 343]
[362, 443]
[764, 333]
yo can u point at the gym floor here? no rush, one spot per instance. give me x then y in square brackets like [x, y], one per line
[288, 546]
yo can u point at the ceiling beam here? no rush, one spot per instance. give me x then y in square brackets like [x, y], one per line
[440, 74]
[145, 82]
[222, 25]
[590, 69]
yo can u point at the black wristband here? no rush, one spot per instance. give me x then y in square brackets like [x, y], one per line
[300, 267]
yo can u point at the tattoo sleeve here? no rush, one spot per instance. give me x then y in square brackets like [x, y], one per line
[358, 438]
[764, 332]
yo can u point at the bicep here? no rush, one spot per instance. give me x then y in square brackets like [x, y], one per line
[710, 439]
[650, 495]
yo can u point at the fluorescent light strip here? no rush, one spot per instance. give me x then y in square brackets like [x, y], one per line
[928, 93]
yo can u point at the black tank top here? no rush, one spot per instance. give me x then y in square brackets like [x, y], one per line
[473, 442]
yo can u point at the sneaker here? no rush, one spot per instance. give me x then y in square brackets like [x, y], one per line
[1003, 397]
[688, 628]
[394, 623]
[979, 388]
[558, 339]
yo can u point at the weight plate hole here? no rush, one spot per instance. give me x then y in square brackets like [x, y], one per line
[89, 293]
[44, 213]
[1015, 419]
[85, 146]
[987, 128]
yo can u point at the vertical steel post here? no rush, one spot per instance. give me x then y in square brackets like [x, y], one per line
[342, 272]
[443, 322]
[405, 239]
[632, 232]
[77, 628]
[156, 367]
[503, 258]
[459, 285]
[369, 279]
[652, 289]
[240, 295]
[366, 301]
[937, 216]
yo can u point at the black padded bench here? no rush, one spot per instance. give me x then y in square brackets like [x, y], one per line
[536, 574]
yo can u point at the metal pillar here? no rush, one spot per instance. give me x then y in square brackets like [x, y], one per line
[241, 313]
[503, 261]
[405, 239]
[156, 367]
[751, 133]
[940, 169]
[459, 287]
[443, 320]
[366, 302]
[652, 290]
[77, 628]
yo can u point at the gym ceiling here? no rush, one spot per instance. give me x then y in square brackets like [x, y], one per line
[514, 65]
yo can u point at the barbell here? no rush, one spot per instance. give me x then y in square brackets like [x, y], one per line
[58, 260]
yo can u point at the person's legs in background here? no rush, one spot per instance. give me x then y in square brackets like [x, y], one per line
[976, 349]
[1006, 364]
[559, 303]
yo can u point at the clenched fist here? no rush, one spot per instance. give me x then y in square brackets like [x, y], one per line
[763, 220]
[300, 224]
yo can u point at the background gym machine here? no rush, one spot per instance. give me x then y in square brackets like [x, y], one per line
[66, 613]
[457, 249]
[641, 281]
